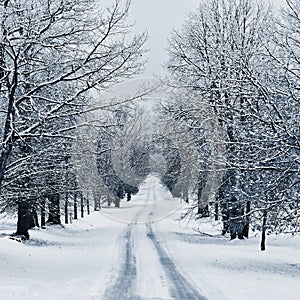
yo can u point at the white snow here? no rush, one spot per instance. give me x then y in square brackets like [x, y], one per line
[80, 260]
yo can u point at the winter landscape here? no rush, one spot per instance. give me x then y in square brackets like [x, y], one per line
[136, 253]
[156, 159]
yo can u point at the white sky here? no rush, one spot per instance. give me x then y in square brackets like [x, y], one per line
[159, 17]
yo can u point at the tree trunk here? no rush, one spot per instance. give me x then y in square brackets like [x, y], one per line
[247, 220]
[117, 202]
[88, 204]
[185, 193]
[54, 209]
[81, 205]
[203, 212]
[96, 200]
[34, 222]
[232, 234]
[263, 232]
[128, 197]
[225, 218]
[75, 206]
[43, 213]
[24, 219]
[199, 193]
[66, 208]
[8, 134]
[5, 154]
[216, 211]
[240, 235]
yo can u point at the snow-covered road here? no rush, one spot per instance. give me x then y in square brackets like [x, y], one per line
[142, 249]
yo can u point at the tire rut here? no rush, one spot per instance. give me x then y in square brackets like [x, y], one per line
[181, 289]
[124, 286]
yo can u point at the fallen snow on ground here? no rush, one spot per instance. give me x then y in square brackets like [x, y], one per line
[82, 260]
[236, 269]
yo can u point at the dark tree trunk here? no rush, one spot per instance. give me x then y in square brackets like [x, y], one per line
[203, 211]
[263, 232]
[247, 220]
[43, 213]
[66, 208]
[5, 155]
[240, 224]
[81, 205]
[225, 226]
[216, 211]
[34, 219]
[88, 205]
[24, 219]
[9, 137]
[199, 193]
[223, 206]
[185, 193]
[75, 206]
[246, 230]
[232, 234]
[202, 178]
[240, 235]
[225, 218]
[54, 209]
[128, 197]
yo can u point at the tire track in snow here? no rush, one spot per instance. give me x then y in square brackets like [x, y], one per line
[125, 284]
[181, 289]
[126, 280]
[124, 287]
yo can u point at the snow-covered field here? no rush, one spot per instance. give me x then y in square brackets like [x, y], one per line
[141, 251]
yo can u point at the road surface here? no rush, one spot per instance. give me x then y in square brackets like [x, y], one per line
[145, 268]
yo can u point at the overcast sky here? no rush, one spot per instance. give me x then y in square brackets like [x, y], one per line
[159, 17]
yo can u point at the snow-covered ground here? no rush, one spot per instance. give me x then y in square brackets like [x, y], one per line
[142, 251]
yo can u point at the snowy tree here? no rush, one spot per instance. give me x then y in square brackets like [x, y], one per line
[115, 169]
[53, 53]
[173, 129]
[221, 54]
[130, 147]
[212, 55]
[282, 209]
[198, 138]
